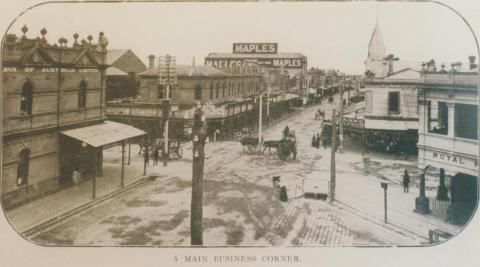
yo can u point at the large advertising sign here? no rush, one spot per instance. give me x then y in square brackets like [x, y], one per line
[288, 63]
[255, 48]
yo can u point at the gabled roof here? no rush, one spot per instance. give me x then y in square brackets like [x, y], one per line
[190, 71]
[112, 71]
[404, 74]
[114, 54]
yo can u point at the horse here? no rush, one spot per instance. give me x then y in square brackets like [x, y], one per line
[285, 148]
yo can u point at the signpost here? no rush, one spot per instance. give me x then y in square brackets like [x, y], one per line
[385, 187]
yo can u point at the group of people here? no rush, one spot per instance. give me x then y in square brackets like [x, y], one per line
[316, 140]
[147, 154]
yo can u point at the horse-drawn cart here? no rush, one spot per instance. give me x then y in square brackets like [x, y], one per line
[249, 144]
[174, 148]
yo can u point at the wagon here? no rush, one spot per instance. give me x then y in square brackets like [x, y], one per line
[249, 144]
[174, 148]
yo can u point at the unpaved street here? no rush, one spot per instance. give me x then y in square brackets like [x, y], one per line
[242, 207]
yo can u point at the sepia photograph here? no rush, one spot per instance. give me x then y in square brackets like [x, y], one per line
[241, 125]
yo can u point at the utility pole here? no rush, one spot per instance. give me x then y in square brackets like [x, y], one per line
[196, 226]
[332, 158]
[340, 147]
[260, 112]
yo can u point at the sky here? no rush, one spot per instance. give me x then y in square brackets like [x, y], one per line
[331, 35]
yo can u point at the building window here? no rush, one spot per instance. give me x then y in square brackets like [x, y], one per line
[223, 89]
[466, 121]
[217, 91]
[23, 166]
[437, 117]
[198, 92]
[394, 102]
[26, 98]
[82, 94]
[211, 91]
[160, 91]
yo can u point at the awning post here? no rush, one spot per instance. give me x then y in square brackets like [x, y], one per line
[129, 148]
[123, 165]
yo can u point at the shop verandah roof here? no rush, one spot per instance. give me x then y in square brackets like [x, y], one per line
[103, 134]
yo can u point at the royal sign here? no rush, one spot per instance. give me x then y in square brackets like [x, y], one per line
[255, 48]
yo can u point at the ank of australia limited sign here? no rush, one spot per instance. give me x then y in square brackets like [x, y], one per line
[255, 48]
[47, 70]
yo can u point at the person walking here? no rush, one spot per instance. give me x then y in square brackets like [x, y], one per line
[314, 141]
[156, 155]
[146, 156]
[317, 141]
[286, 131]
[406, 181]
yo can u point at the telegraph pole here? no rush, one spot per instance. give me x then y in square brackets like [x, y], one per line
[332, 158]
[340, 147]
[260, 112]
[196, 227]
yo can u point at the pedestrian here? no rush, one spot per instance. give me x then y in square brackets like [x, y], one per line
[146, 156]
[155, 156]
[286, 131]
[406, 181]
[317, 142]
[314, 141]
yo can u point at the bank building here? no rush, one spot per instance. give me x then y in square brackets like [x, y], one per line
[448, 136]
[54, 128]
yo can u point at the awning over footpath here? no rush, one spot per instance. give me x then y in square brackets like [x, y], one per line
[106, 133]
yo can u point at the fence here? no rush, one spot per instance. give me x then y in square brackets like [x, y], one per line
[439, 207]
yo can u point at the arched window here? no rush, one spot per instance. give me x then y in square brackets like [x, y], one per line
[26, 99]
[211, 91]
[23, 166]
[82, 94]
[198, 92]
[160, 91]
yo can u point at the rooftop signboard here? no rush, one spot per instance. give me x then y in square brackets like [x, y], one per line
[255, 48]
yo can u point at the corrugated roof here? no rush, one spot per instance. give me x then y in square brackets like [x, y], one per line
[190, 71]
[108, 132]
[253, 56]
[114, 54]
[112, 71]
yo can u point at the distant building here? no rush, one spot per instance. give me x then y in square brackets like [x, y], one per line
[229, 98]
[53, 115]
[448, 136]
[122, 72]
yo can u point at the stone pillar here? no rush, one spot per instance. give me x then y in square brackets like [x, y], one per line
[442, 192]
[451, 119]
[421, 203]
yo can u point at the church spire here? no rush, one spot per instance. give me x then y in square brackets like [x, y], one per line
[376, 47]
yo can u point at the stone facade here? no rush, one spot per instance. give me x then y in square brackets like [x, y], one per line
[47, 89]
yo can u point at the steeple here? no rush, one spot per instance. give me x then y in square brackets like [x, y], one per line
[376, 52]
[376, 47]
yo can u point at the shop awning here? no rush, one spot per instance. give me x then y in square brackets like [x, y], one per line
[103, 134]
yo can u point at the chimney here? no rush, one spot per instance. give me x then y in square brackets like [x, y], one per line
[151, 61]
